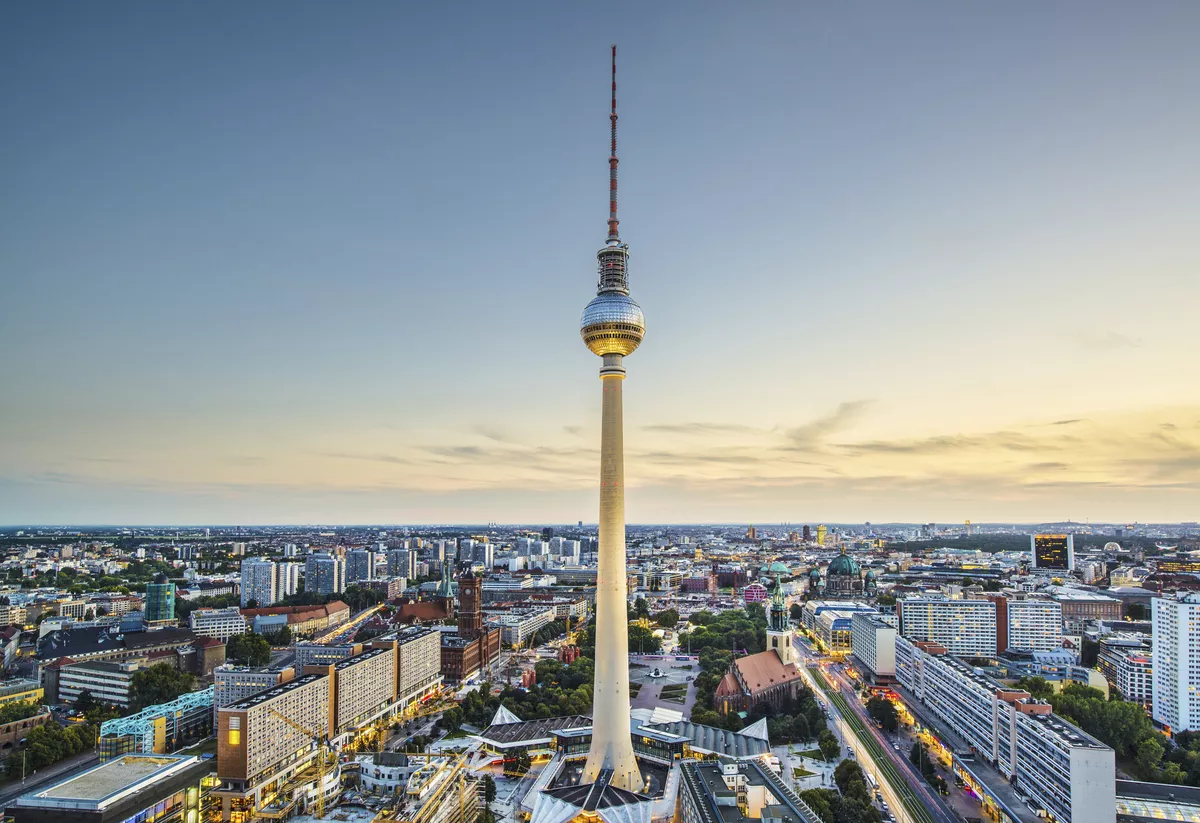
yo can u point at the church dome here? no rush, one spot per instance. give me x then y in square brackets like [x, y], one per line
[844, 566]
[776, 568]
[870, 574]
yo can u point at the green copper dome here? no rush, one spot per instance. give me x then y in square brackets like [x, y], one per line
[844, 566]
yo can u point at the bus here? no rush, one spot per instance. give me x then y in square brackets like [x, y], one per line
[874, 783]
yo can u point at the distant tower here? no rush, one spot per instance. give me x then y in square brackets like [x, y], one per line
[612, 327]
[821, 532]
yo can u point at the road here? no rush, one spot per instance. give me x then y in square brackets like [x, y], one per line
[918, 802]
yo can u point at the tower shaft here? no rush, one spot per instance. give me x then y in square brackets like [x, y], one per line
[612, 747]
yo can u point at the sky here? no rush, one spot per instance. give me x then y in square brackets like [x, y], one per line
[297, 262]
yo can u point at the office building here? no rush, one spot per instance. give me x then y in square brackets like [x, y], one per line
[873, 643]
[145, 787]
[160, 601]
[1176, 661]
[235, 683]
[1052, 552]
[324, 574]
[1080, 607]
[258, 583]
[108, 682]
[418, 661]
[967, 628]
[1060, 767]
[219, 623]
[360, 565]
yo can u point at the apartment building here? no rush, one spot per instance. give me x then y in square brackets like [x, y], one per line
[257, 749]
[966, 628]
[1176, 661]
[219, 623]
[364, 687]
[873, 643]
[518, 625]
[1127, 664]
[318, 654]
[1058, 766]
[232, 684]
[324, 574]
[418, 661]
[258, 582]
[401, 562]
[360, 565]
[1027, 622]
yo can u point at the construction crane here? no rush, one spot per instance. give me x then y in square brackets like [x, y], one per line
[323, 752]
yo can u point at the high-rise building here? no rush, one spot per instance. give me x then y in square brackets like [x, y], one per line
[1053, 552]
[485, 553]
[258, 583]
[160, 601]
[821, 532]
[1025, 622]
[324, 574]
[612, 327]
[873, 641]
[1176, 654]
[401, 563]
[360, 565]
[287, 580]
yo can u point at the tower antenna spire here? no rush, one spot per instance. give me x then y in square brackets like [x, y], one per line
[614, 237]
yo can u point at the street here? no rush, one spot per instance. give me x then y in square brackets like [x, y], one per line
[935, 808]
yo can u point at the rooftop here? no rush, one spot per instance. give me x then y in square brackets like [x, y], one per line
[109, 782]
[271, 694]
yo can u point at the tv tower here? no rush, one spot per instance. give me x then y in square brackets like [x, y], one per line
[612, 327]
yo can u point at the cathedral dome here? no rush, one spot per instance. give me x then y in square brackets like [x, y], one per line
[844, 566]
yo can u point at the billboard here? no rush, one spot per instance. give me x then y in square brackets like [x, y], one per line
[1053, 551]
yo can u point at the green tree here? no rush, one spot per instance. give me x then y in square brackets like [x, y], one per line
[86, 701]
[643, 641]
[248, 649]
[283, 637]
[1038, 687]
[884, 711]
[1149, 753]
[641, 608]
[160, 683]
[796, 612]
[828, 744]
[667, 618]
[1135, 611]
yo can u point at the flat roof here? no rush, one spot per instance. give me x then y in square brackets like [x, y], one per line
[359, 658]
[102, 785]
[270, 694]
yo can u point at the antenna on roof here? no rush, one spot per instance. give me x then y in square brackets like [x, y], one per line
[614, 237]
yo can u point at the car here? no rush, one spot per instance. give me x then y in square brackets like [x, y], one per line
[896, 746]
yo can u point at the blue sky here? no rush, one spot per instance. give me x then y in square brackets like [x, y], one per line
[313, 262]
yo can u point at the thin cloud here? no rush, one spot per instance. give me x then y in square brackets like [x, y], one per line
[814, 432]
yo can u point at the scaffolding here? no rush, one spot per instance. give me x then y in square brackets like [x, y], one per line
[157, 729]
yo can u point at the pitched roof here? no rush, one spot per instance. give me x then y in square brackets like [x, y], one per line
[765, 670]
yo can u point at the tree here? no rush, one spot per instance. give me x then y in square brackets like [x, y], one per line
[884, 711]
[828, 744]
[160, 683]
[248, 649]
[796, 612]
[643, 640]
[1135, 611]
[1088, 653]
[85, 702]
[1149, 753]
[1038, 687]
[641, 608]
[283, 637]
[489, 788]
[667, 619]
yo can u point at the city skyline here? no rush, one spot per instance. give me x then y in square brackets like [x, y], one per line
[947, 253]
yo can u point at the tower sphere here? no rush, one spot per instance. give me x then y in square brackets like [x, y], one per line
[612, 324]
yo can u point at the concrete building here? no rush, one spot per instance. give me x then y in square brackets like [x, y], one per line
[721, 791]
[219, 623]
[1027, 622]
[1060, 767]
[873, 643]
[258, 582]
[1176, 661]
[108, 682]
[418, 661]
[257, 750]
[517, 626]
[165, 789]
[365, 685]
[1080, 606]
[360, 565]
[1127, 664]
[287, 579]
[232, 684]
[966, 628]
[324, 574]
[401, 562]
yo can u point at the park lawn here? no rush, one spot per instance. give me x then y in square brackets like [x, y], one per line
[812, 754]
[798, 772]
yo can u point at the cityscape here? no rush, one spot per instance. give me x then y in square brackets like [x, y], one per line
[430, 590]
